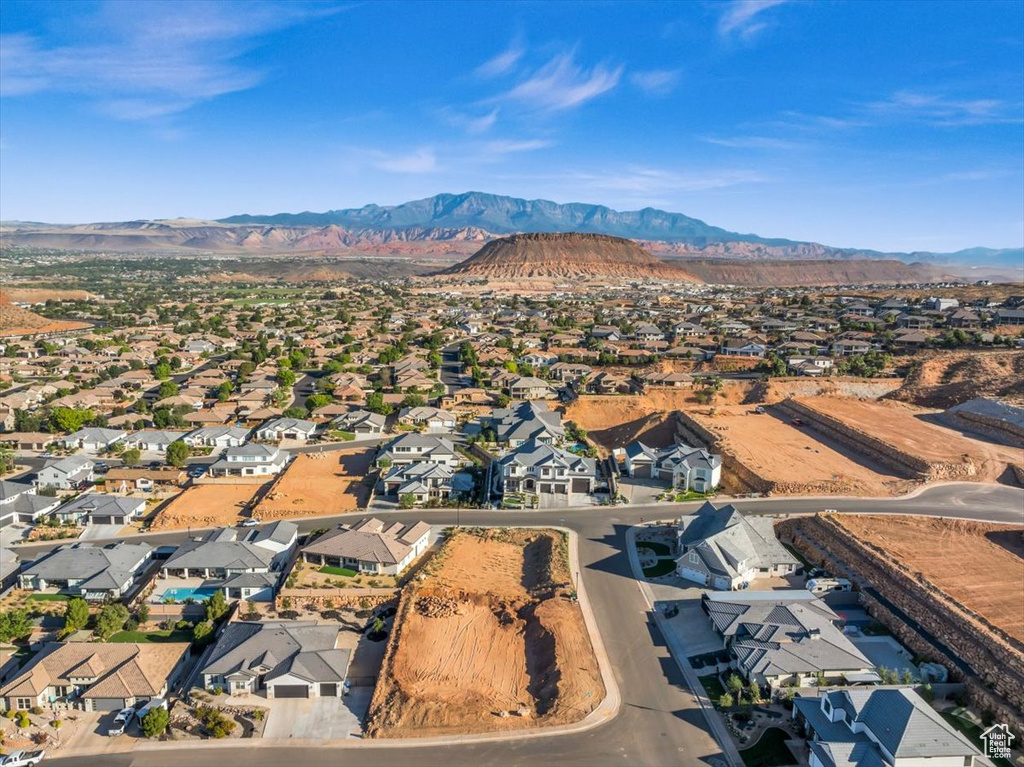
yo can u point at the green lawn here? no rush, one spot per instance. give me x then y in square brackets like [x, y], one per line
[713, 687]
[48, 597]
[661, 567]
[328, 570]
[769, 751]
[659, 549]
[973, 733]
[151, 637]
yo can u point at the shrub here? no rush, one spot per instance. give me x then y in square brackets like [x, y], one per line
[131, 624]
[37, 710]
[56, 723]
[258, 714]
[22, 720]
[155, 722]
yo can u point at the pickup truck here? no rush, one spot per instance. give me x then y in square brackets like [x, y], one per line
[22, 758]
[121, 721]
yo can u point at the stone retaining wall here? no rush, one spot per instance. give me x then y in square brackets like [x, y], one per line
[908, 465]
[992, 427]
[351, 599]
[989, 661]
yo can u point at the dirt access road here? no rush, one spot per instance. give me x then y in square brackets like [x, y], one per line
[488, 641]
[980, 565]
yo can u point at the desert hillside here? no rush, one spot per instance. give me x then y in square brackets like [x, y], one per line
[15, 321]
[809, 273]
[570, 255]
[949, 378]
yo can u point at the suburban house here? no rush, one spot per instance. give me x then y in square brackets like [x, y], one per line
[369, 546]
[153, 441]
[286, 428]
[65, 473]
[422, 481]
[242, 564]
[879, 726]
[360, 422]
[528, 387]
[217, 436]
[430, 418]
[101, 509]
[126, 480]
[93, 438]
[683, 467]
[19, 503]
[524, 422]
[287, 659]
[537, 467]
[722, 549]
[250, 460]
[415, 448]
[96, 676]
[84, 570]
[786, 638]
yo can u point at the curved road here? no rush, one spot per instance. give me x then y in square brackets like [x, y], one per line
[659, 722]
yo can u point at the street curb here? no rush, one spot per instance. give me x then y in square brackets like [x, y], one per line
[715, 724]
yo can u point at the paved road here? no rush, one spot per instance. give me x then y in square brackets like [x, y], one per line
[451, 367]
[660, 722]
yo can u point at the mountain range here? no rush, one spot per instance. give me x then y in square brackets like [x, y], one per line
[455, 225]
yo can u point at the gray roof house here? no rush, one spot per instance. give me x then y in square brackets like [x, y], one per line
[88, 571]
[217, 436]
[286, 428]
[361, 422]
[682, 466]
[19, 503]
[244, 564]
[537, 467]
[414, 448]
[878, 727]
[250, 460]
[722, 549]
[422, 481]
[66, 473]
[288, 659]
[153, 440]
[784, 637]
[101, 509]
[93, 438]
[369, 546]
[527, 421]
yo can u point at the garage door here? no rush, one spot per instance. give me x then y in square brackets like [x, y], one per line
[102, 520]
[328, 690]
[642, 470]
[580, 485]
[693, 575]
[107, 704]
[291, 691]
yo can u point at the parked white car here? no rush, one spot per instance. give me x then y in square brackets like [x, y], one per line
[22, 758]
[120, 723]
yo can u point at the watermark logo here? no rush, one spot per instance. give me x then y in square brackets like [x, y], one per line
[997, 740]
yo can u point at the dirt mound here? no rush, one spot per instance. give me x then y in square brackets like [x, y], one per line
[490, 641]
[15, 321]
[949, 378]
[565, 255]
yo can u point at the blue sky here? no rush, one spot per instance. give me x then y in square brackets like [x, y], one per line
[896, 126]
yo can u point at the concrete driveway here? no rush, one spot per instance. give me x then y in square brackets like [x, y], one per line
[99, 532]
[319, 718]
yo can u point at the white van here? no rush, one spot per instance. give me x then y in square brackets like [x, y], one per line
[154, 703]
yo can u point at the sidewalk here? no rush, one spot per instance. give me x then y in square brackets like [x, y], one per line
[714, 720]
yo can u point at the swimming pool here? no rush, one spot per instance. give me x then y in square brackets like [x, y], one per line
[181, 594]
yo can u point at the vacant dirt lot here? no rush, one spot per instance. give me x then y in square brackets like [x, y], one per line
[792, 459]
[206, 506]
[979, 565]
[42, 295]
[488, 641]
[913, 430]
[319, 483]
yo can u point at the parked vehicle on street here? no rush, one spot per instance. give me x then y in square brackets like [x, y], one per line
[22, 758]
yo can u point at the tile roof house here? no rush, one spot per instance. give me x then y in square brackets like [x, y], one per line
[537, 467]
[19, 503]
[288, 659]
[722, 549]
[93, 676]
[84, 570]
[101, 509]
[369, 546]
[876, 727]
[785, 637]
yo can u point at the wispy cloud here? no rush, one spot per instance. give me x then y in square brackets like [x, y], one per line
[940, 109]
[656, 82]
[740, 19]
[505, 147]
[153, 59]
[422, 160]
[472, 124]
[637, 179]
[755, 142]
[504, 62]
[562, 84]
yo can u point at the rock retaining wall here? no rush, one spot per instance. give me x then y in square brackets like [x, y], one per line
[340, 599]
[990, 662]
[992, 427]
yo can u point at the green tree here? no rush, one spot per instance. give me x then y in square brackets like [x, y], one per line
[162, 371]
[285, 377]
[413, 400]
[725, 700]
[177, 453]
[131, 457]
[202, 634]
[110, 620]
[14, 624]
[154, 724]
[143, 612]
[754, 691]
[295, 412]
[167, 389]
[375, 404]
[6, 459]
[76, 615]
[224, 392]
[406, 501]
[69, 419]
[216, 606]
[314, 401]
[735, 685]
